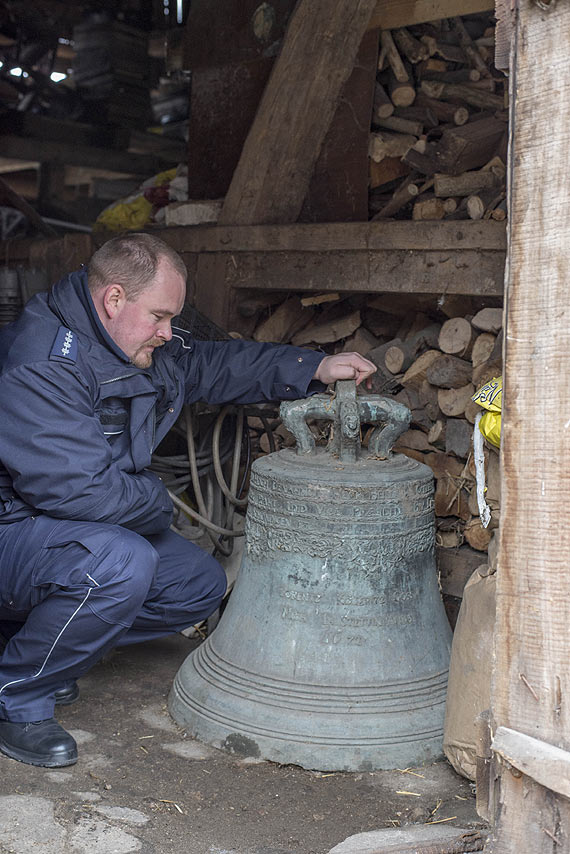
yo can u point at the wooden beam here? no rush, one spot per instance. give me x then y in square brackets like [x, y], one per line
[68, 154]
[278, 158]
[16, 201]
[532, 642]
[542, 762]
[351, 236]
[389, 14]
[464, 271]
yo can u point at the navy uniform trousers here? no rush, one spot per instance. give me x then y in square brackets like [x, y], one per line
[71, 591]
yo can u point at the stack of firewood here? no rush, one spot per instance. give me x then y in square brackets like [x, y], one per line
[433, 360]
[439, 124]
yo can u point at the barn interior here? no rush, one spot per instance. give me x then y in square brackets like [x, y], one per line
[334, 178]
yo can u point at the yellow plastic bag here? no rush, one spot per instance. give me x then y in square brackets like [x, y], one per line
[490, 397]
[133, 212]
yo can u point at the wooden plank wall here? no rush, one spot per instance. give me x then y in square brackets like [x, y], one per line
[531, 692]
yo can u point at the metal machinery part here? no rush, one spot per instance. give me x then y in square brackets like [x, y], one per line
[333, 650]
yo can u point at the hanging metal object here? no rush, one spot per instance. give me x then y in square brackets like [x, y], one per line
[333, 650]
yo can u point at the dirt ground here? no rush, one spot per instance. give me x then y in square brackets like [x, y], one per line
[142, 785]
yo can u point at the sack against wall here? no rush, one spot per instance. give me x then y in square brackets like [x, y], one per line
[469, 686]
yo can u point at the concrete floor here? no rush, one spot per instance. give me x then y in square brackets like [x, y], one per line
[142, 785]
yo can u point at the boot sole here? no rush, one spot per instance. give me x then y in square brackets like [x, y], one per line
[36, 759]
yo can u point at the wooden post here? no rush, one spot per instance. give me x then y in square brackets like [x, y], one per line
[275, 168]
[317, 57]
[531, 693]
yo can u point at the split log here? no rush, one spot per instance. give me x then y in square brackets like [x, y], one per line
[465, 184]
[399, 354]
[418, 113]
[447, 466]
[454, 305]
[444, 112]
[471, 410]
[458, 437]
[393, 57]
[398, 358]
[493, 367]
[402, 195]
[461, 75]
[319, 299]
[253, 305]
[326, 333]
[427, 394]
[429, 209]
[458, 91]
[420, 162]
[402, 92]
[415, 51]
[387, 144]
[497, 166]
[387, 170]
[378, 354]
[400, 125]
[284, 322]
[383, 106]
[449, 540]
[451, 52]
[499, 214]
[449, 372]
[457, 337]
[436, 435]
[362, 341]
[415, 439]
[488, 84]
[451, 499]
[452, 401]
[463, 148]
[380, 323]
[476, 535]
[432, 64]
[417, 373]
[488, 320]
[479, 204]
[430, 42]
[424, 337]
[413, 454]
[473, 503]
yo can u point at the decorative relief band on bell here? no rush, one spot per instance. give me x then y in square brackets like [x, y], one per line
[340, 511]
[388, 551]
[295, 488]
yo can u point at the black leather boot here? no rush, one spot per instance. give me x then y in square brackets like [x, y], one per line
[67, 694]
[44, 743]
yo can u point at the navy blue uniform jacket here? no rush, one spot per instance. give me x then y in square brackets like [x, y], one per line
[79, 422]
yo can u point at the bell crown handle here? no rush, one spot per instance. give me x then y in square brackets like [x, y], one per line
[347, 411]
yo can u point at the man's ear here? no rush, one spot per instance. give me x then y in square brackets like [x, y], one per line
[113, 300]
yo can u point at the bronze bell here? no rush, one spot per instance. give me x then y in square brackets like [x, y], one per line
[333, 651]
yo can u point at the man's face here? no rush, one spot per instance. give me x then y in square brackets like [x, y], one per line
[141, 325]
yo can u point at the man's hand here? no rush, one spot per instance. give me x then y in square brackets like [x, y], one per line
[345, 366]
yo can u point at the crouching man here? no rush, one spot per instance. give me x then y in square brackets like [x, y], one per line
[93, 375]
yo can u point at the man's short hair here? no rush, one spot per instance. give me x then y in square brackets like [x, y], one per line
[131, 260]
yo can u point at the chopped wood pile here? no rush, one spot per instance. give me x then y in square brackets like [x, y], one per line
[432, 354]
[439, 127]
